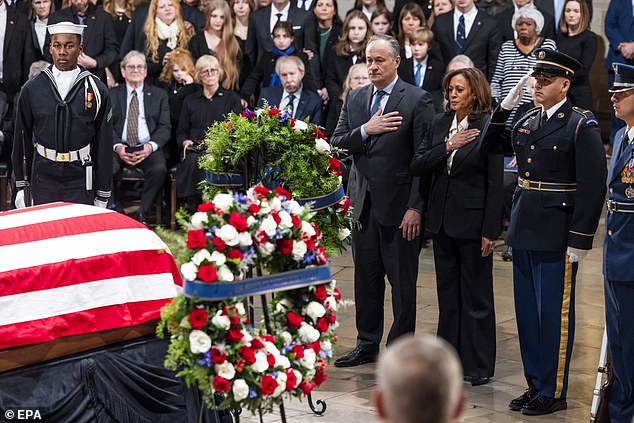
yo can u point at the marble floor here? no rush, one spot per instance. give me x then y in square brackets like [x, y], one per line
[348, 392]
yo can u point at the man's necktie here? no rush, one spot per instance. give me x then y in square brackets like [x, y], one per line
[461, 34]
[417, 76]
[290, 106]
[377, 102]
[279, 17]
[543, 119]
[132, 131]
[624, 143]
[303, 5]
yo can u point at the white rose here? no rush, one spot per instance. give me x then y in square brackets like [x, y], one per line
[228, 234]
[218, 258]
[270, 348]
[322, 146]
[344, 233]
[281, 385]
[299, 249]
[283, 305]
[264, 207]
[225, 370]
[268, 225]
[325, 345]
[298, 376]
[300, 125]
[285, 219]
[221, 321]
[223, 201]
[309, 358]
[276, 204]
[240, 309]
[308, 334]
[199, 219]
[331, 302]
[250, 220]
[189, 271]
[266, 249]
[261, 363]
[294, 207]
[282, 361]
[287, 337]
[244, 239]
[315, 310]
[199, 256]
[224, 273]
[307, 228]
[199, 342]
[240, 389]
[246, 336]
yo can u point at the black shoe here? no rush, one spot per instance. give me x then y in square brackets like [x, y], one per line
[141, 217]
[544, 405]
[478, 380]
[356, 357]
[519, 402]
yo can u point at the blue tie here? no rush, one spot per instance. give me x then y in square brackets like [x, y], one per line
[377, 102]
[290, 106]
[417, 76]
[460, 34]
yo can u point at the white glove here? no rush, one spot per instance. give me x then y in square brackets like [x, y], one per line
[100, 203]
[19, 199]
[514, 97]
[575, 254]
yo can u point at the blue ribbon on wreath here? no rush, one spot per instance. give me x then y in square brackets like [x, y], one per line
[324, 201]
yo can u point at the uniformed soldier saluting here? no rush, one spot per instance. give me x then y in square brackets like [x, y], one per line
[555, 213]
[63, 135]
[618, 251]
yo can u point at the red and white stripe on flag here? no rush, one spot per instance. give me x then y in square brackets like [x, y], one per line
[69, 269]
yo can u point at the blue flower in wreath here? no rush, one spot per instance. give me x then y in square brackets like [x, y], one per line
[206, 361]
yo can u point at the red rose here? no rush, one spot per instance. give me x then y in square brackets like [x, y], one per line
[234, 320]
[316, 230]
[337, 294]
[273, 111]
[283, 193]
[320, 293]
[298, 350]
[294, 319]
[260, 191]
[219, 243]
[271, 360]
[240, 366]
[197, 318]
[285, 246]
[207, 273]
[206, 207]
[297, 222]
[261, 237]
[291, 379]
[310, 244]
[257, 344]
[254, 208]
[344, 206]
[234, 335]
[234, 254]
[196, 239]
[218, 356]
[320, 255]
[238, 221]
[334, 166]
[221, 384]
[248, 113]
[331, 318]
[268, 338]
[320, 377]
[292, 120]
[315, 346]
[322, 324]
[320, 134]
[276, 217]
[268, 386]
[306, 387]
[248, 354]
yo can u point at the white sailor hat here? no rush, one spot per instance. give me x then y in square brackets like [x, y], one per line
[65, 28]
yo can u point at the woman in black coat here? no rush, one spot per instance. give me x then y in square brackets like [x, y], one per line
[463, 215]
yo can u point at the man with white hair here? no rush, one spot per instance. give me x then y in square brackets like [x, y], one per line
[419, 381]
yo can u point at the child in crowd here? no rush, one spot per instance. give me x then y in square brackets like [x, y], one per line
[381, 21]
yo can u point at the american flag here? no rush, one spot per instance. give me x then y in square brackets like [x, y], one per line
[69, 269]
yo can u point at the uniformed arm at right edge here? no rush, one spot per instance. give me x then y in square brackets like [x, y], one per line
[345, 137]
[102, 148]
[591, 173]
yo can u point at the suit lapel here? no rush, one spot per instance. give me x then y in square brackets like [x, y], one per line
[10, 28]
[303, 99]
[463, 152]
[88, 32]
[147, 103]
[475, 28]
[395, 96]
[622, 159]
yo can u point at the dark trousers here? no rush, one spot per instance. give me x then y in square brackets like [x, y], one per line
[464, 281]
[57, 181]
[544, 286]
[619, 315]
[154, 171]
[378, 251]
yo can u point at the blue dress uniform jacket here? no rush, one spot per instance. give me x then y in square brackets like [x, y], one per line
[567, 149]
[63, 126]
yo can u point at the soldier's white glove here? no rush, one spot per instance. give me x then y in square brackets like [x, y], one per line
[514, 97]
[100, 203]
[575, 254]
[19, 199]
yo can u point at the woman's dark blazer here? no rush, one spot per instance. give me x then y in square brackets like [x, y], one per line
[466, 203]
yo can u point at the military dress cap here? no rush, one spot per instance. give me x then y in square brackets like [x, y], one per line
[65, 28]
[623, 77]
[553, 63]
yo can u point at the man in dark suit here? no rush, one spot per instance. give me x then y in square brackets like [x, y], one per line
[141, 123]
[505, 19]
[99, 40]
[470, 32]
[300, 103]
[262, 21]
[381, 126]
[555, 212]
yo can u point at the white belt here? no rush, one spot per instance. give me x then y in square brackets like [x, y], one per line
[83, 154]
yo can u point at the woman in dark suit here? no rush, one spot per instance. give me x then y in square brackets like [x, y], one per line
[463, 214]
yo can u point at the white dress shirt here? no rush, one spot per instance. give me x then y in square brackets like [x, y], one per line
[455, 127]
[40, 31]
[284, 102]
[144, 132]
[64, 80]
[274, 13]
